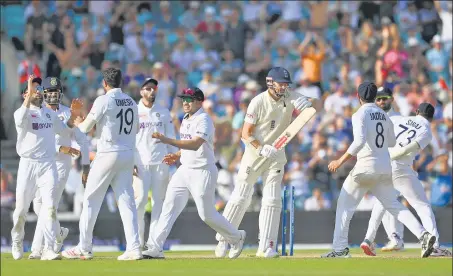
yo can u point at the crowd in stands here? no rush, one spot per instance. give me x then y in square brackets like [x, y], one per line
[226, 49]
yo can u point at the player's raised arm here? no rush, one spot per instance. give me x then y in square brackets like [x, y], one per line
[32, 93]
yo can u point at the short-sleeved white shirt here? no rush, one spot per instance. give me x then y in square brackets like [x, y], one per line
[198, 125]
[116, 117]
[411, 129]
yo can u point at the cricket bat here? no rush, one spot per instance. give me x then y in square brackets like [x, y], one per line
[289, 133]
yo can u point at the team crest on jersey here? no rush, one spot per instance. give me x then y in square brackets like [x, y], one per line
[48, 116]
[188, 125]
[61, 118]
[272, 124]
[157, 115]
[53, 81]
[247, 170]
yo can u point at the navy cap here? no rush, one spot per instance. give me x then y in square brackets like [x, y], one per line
[50, 83]
[426, 109]
[384, 92]
[367, 91]
[37, 79]
[150, 80]
[194, 93]
[279, 74]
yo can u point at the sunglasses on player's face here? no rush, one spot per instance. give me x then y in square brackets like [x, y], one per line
[382, 99]
[187, 100]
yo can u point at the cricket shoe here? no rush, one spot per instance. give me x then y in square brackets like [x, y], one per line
[369, 248]
[221, 249]
[49, 255]
[236, 249]
[395, 244]
[17, 250]
[427, 241]
[153, 253]
[441, 252]
[269, 253]
[35, 255]
[63, 235]
[337, 254]
[76, 253]
[130, 256]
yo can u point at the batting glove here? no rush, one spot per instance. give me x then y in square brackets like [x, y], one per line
[301, 103]
[268, 151]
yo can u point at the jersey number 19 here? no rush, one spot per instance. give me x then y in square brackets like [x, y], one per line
[128, 119]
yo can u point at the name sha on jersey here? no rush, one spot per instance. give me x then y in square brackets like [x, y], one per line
[413, 124]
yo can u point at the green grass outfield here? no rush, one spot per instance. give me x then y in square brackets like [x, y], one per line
[304, 262]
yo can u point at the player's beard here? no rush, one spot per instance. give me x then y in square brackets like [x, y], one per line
[386, 107]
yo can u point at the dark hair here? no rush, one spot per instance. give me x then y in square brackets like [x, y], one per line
[112, 77]
[369, 101]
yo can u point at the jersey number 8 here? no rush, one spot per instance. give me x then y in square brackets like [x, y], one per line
[380, 135]
[128, 119]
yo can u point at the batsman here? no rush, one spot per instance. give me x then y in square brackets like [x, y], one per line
[268, 115]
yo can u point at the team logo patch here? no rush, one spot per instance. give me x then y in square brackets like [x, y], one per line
[157, 115]
[61, 118]
[249, 115]
[188, 125]
[53, 81]
[247, 170]
[272, 124]
[48, 116]
[34, 115]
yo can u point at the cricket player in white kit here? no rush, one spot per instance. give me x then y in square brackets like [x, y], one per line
[52, 97]
[373, 135]
[268, 115]
[115, 115]
[150, 172]
[197, 175]
[36, 127]
[413, 135]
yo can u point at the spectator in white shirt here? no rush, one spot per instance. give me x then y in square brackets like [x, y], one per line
[336, 102]
[317, 202]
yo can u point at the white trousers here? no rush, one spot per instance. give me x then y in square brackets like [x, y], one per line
[201, 184]
[34, 175]
[352, 192]
[271, 205]
[110, 169]
[406, 181]
[154, 177]
[63, 169]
